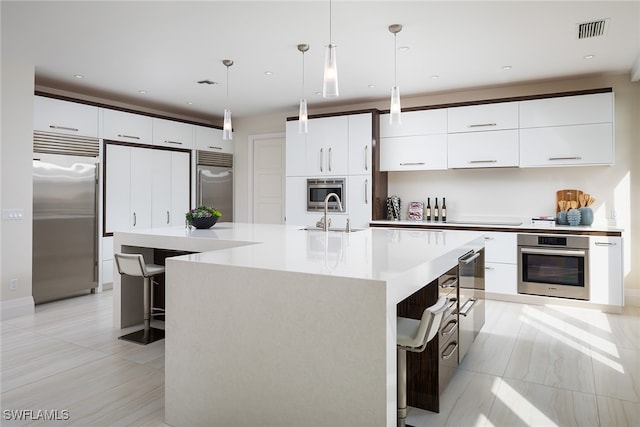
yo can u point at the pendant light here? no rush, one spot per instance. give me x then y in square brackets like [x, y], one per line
[394, 109]
[227, 129]
[303, 118]
[330, 82]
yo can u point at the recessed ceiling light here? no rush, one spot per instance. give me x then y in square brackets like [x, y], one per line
[435, 76]
[589, 56]
[78, 76]
[371, 86]
[142, 92]
[403, 48]
[268, 73]
[507, 67]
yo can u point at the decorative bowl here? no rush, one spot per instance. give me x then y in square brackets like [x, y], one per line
[205, 222]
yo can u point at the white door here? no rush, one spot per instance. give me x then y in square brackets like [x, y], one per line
[268, 180]
[161, 188]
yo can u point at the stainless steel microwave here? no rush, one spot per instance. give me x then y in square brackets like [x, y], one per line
[319, 188]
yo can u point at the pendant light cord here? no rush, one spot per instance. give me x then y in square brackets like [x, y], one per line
[395, 60]
[302, 75]
[227, 86]
[330, 39]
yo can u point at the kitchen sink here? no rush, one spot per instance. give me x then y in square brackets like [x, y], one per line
[339, 230]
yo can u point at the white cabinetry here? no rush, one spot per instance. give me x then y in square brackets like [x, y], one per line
[359, 200]
[107, 260]
[567, 131]
[606, 270]
[64, 117]
[173, 134]
[210, 139]
[483, 149]
[360, 138]
[295, 150]
[501, 263]
[327, 147]
[419, 143]
[485, 117]
[144, 187]
[295, 200]
[127, 127]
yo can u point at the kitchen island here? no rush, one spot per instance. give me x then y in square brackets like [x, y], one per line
[273, 325]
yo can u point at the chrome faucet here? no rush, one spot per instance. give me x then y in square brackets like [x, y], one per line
[325, 222]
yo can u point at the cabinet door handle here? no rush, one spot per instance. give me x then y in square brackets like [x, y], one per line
[214, 147]
[453, 346]
[63, 128]
[366, 157]
[488, 238]
[366, 191]
[321, 159]
[566, 158]
[489, 268]
[168, 218]
[449, 328]
[121, 135]
[329, 155]
[134, 219]
[605, 244]
[166, 141]
[481, 125]
[411, 163]
[482, 161]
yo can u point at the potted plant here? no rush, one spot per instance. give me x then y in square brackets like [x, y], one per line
[203, 216]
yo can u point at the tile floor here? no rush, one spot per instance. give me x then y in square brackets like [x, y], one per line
[530, 366]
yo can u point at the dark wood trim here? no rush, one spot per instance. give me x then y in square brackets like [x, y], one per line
[123, 109]
[379, 181]
[529, 230]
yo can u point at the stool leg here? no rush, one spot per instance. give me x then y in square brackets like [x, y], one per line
[147, 304]
[402, 386]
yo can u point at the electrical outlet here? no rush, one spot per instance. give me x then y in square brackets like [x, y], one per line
[13, 284]
[13, 214]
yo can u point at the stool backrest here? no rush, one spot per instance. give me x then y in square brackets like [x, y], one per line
[431, 320]
[131, 265]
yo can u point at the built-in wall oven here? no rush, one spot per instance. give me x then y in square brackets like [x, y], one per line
[319, 188]
[553, 265]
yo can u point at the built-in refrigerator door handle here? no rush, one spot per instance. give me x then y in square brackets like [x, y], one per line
[168, 218]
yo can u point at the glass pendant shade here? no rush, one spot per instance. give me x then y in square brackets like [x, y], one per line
[330, 83]
[394, 109]
[227, 129]
[303, 118]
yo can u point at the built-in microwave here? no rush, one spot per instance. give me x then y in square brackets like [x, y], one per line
[319, 188]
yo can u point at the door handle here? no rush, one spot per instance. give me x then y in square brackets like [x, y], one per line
[168, 220]
[321, 159]
[134, 219]
[366, 192]
[366, 157]
[329, 155]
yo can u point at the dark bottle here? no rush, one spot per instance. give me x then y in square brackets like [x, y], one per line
[444, 209]
[428, 213]
[435, 211]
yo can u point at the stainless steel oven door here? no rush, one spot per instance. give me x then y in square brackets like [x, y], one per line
[557, 272]
[319, 189]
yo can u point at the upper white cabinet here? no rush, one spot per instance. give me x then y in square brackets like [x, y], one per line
[210, 139]
[567, 110]
[483, 149]
[327, 147]
[420, 152]
[423, 122]
[567, 131]
[127, 127]
[484, 117]
[360, 139]
[606, 270]
[295, 152]
[173, 134]
[69, 118]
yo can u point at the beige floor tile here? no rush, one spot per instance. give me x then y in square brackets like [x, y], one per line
[520, 403]
[618, 413]
[489, 353]
[617, 377]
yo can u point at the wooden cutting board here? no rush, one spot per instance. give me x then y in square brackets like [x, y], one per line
[567, 195]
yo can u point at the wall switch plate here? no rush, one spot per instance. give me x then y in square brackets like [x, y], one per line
[13, 214]
[13, 284]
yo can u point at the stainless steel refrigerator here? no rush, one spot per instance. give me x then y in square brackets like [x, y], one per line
[65, 227]
[215, 183]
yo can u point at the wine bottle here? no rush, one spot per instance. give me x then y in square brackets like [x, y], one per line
[428, 209]
[444, 209]
[435, 211]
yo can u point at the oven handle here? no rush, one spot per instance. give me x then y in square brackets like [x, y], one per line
[552, 252]
[466, 261]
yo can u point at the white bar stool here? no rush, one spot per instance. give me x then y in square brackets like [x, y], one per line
[414, 335]
[134, 265]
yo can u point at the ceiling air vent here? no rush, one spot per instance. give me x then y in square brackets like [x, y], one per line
[592, 29]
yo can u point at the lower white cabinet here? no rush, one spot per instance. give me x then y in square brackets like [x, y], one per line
[491, 149]
[359, 200]
[406, 153]
[576, 145]
[145, 187]
[501, 278]
[107, 260]
[501, 263]
[606, 270]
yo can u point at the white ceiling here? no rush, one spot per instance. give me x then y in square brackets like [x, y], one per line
[164, 47]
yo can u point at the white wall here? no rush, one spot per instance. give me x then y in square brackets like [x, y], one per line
[16, 189]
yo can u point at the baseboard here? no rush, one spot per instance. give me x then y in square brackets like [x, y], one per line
[17, 307]
[632, 297]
